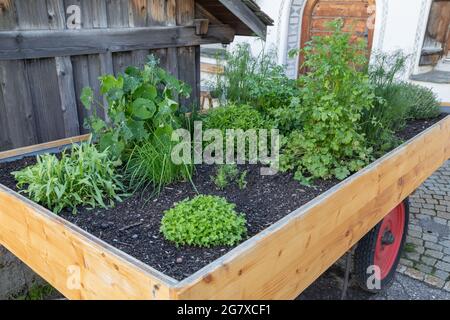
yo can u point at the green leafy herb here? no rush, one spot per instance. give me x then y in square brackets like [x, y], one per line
[82, 177]
[204, 221]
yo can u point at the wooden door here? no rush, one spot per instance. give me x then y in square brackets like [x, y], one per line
[358, 16]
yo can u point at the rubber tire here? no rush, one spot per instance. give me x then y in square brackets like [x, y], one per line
[365, 253]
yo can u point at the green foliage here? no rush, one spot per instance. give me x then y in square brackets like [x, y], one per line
[226, 174]
[423, 102]
[334, 95]
[390, 109]
[38, 292]
[139, 102]
[229, 173]
[84, 176]
[204, 221]
[242, 117]
[395, 102]
[151, 162]
[257, 81]
[242, 180]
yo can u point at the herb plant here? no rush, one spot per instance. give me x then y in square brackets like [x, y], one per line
[204, 221]
[139, 102]
[242, 117]
[335, 93]
[81, 177]
[151, 163]
[226, 174]
[254, 80]
[423, 102]
[242, 180]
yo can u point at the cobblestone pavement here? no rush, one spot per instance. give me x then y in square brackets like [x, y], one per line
[427, 252]
[329, 287]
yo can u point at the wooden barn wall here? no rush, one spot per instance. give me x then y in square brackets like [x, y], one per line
[39, 98]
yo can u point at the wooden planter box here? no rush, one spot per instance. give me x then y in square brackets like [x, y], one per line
[278, 263]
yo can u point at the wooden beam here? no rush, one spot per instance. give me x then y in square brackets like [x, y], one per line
[16, 45]
[43, 146]
[247, 16]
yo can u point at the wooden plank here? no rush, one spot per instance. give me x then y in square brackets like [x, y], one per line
[118, 14]
[212, 68]
[71, 260]
[68, 99]
[93, 13]
[18, 104]
[138, 13]
[121, 61]
[5, 141]
[56, 14]
[45, 99]
[247, 16]
[43, 146]
[341, 9]
[8, 17]
[81, 80]
[201, 12]
[283, 260]
[32, 14]
[185, 12]
[157, 12]
[171, 12]
[40, 44]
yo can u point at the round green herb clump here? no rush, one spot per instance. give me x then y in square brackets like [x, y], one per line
[204, 221]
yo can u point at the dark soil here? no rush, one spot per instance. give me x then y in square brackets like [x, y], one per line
[133, 225]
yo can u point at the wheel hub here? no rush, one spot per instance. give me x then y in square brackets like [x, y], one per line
[388, 238]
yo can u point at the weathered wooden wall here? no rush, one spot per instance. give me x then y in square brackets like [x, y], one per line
[39, 98]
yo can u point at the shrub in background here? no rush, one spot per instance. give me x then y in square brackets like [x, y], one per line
[335, 93]
[396, 102]
[257, 81]
[82, 177]
[242, 117]
[423, 102]
[204, 221]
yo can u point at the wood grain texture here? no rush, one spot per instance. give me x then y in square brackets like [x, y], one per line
[41, 44]
[355, 14]
[42, 146]
[75, 263]
[282, 261]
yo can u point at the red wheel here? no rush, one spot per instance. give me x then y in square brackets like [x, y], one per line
[378, 253]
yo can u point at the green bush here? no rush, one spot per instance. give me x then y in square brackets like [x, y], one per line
[82, 177]
[423, 102]
[204, 221]
[139, 102]
[242, 117]
[395, 102]
[151, 163]
[257, 81]
[335, 93]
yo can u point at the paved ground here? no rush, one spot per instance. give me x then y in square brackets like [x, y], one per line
[329, 287]
[427, 253]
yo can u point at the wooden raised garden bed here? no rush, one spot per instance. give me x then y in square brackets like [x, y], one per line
[278, 263]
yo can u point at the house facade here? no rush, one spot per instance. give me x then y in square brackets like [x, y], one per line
[420, 28]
